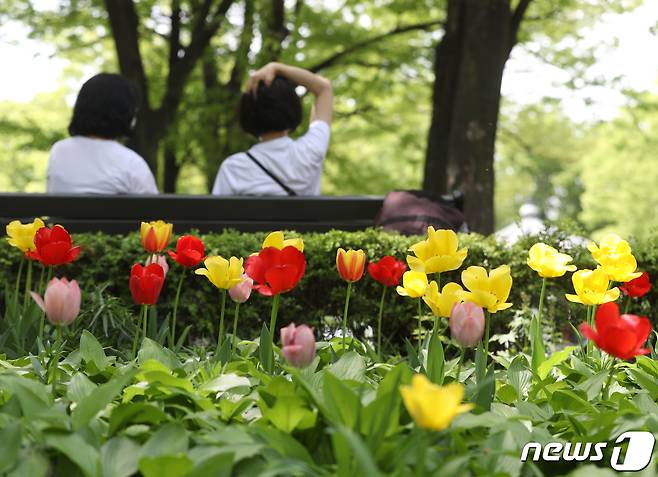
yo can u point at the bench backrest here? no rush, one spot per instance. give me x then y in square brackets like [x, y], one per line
[122, 214]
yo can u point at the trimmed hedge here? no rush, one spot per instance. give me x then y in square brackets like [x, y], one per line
[319, 298]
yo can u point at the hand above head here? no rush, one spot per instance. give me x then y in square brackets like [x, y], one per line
[266, 74]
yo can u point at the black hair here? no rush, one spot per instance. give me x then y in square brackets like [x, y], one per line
[105, 107]
[275, 108]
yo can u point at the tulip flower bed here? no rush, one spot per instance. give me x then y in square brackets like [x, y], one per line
[288, 399]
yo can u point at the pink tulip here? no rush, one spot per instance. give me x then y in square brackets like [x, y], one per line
[61, 301]
[242, 291]
[298, 345]
[160, 260]
[467, 323]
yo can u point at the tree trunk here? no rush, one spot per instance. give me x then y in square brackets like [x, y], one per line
[469, 65]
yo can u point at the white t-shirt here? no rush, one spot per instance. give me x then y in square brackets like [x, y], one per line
[83, 165]
[296, 163]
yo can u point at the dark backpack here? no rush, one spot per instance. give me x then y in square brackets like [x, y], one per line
[410, 212]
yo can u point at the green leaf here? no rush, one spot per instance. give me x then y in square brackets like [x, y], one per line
[342, 403]
[645, 381]
[565, 400]
[592, 386]
[99, 398]
[135, 412]
[92, 353]
[556, 358]
[151, 350]
[10, 443]
[170, 439]
[350, 366]
[79, 387]
[435, 359]
[77, 450]
[119, 457]
[485, 389]
[166, 466]
[217, 464]
[283, 407]
[348, 446]
[31, 463]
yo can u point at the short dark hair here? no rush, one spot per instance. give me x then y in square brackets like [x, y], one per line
[105, 107]
[275, 108]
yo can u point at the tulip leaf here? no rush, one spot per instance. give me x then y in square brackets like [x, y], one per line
[485, 389]
[224, 354]
[119, 457]
[435, 359]
[349, 447]
[265, 349]
[92, 353]
[77, 450]
[10, 437]
[166, 466]
[555, 359]
[342, 403]
[350, 366]
[99, 398]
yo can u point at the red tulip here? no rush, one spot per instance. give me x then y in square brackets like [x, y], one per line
[388, 271]
[638, 287]
[53, 246]
[620, 336]
[276, 271]
[146, 283]
[189, 251]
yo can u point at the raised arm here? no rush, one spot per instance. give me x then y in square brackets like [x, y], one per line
[319, 86]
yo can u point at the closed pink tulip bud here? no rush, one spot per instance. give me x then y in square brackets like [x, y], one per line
[61, 302]
[242, 291]
[467, 323]
[160, 260]
[298, 345]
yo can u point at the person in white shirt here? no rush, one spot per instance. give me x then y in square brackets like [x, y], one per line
[92, 161]
[270, 110]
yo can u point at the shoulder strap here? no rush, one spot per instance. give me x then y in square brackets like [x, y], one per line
[288, 190]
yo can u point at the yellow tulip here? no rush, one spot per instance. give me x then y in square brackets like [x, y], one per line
[21, 235]
[591, 288]
[155, 235]
[615, 257]
[414, 284]
[433, 407]
[276, 240]
[488, 291]
[442, 303]
[222, 273]
[438, 253]
[548, 262]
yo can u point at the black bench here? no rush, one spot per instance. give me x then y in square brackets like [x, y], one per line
[122, 214]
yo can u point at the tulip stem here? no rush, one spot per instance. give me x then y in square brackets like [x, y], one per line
[628, 304]
[420, 317]
[28, 284]
[438, 280]
[234, 343]
[18, 286]
[379, 323]
[222, 312]
[275, 312]
[42, 321]
[460, 363]
[137, 330]
[55, 370]
[606, 389]
[487, 322]
[347, 305]
[590, 322]
[174, 313]
[541, 303]
[145, 322]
